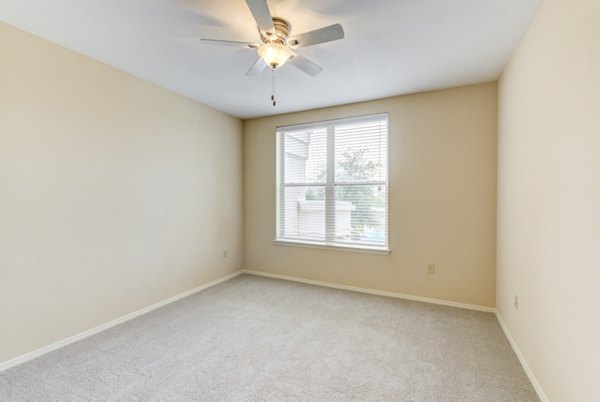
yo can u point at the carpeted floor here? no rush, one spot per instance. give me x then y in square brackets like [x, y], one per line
[257, 338]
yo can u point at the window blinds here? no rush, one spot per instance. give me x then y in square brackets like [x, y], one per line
[332, 182]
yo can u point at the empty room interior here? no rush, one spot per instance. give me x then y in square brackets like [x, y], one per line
[300, 200]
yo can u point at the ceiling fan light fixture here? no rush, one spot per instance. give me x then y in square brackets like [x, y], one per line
[274, 54]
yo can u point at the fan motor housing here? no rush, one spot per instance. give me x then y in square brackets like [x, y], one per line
[282, 32]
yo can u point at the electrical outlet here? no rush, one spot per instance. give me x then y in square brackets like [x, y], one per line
[225, 253]
[516, 301]
[431, 269]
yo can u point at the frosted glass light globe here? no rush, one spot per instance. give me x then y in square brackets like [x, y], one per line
[274, 54]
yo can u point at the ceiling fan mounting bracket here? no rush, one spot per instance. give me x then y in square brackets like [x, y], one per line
[282, 32]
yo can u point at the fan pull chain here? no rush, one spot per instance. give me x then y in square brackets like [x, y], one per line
[273, 88]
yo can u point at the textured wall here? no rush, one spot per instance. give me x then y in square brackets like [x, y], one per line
[114, 193]
[549, 198]
[442, 202]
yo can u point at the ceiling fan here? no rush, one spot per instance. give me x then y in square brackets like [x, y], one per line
[277, 46]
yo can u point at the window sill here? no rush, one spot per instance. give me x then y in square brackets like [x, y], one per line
[351, 248]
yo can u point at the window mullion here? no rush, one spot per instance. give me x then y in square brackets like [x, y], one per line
[330, 187]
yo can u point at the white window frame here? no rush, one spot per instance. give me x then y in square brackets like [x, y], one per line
[329, 185]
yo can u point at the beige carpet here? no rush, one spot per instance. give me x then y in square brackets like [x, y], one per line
[255, 338]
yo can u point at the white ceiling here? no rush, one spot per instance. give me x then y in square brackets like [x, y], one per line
[392, 47]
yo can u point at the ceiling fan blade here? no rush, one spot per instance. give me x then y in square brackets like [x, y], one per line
[262, 15]
[228, 43]
[257, 68]
[302, 63]
[322, 35]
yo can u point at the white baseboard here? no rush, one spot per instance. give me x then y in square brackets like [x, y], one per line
[56, 345]
[373, 291]
[528, 371]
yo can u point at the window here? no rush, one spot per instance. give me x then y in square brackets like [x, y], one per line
[332, 183]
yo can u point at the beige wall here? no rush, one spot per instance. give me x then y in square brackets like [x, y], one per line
[442, 199]
[549, 198]
[114, 193]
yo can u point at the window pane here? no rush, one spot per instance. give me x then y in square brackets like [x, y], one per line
[305, 156]
[361, 152]
[304, 213]
[360, 214]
